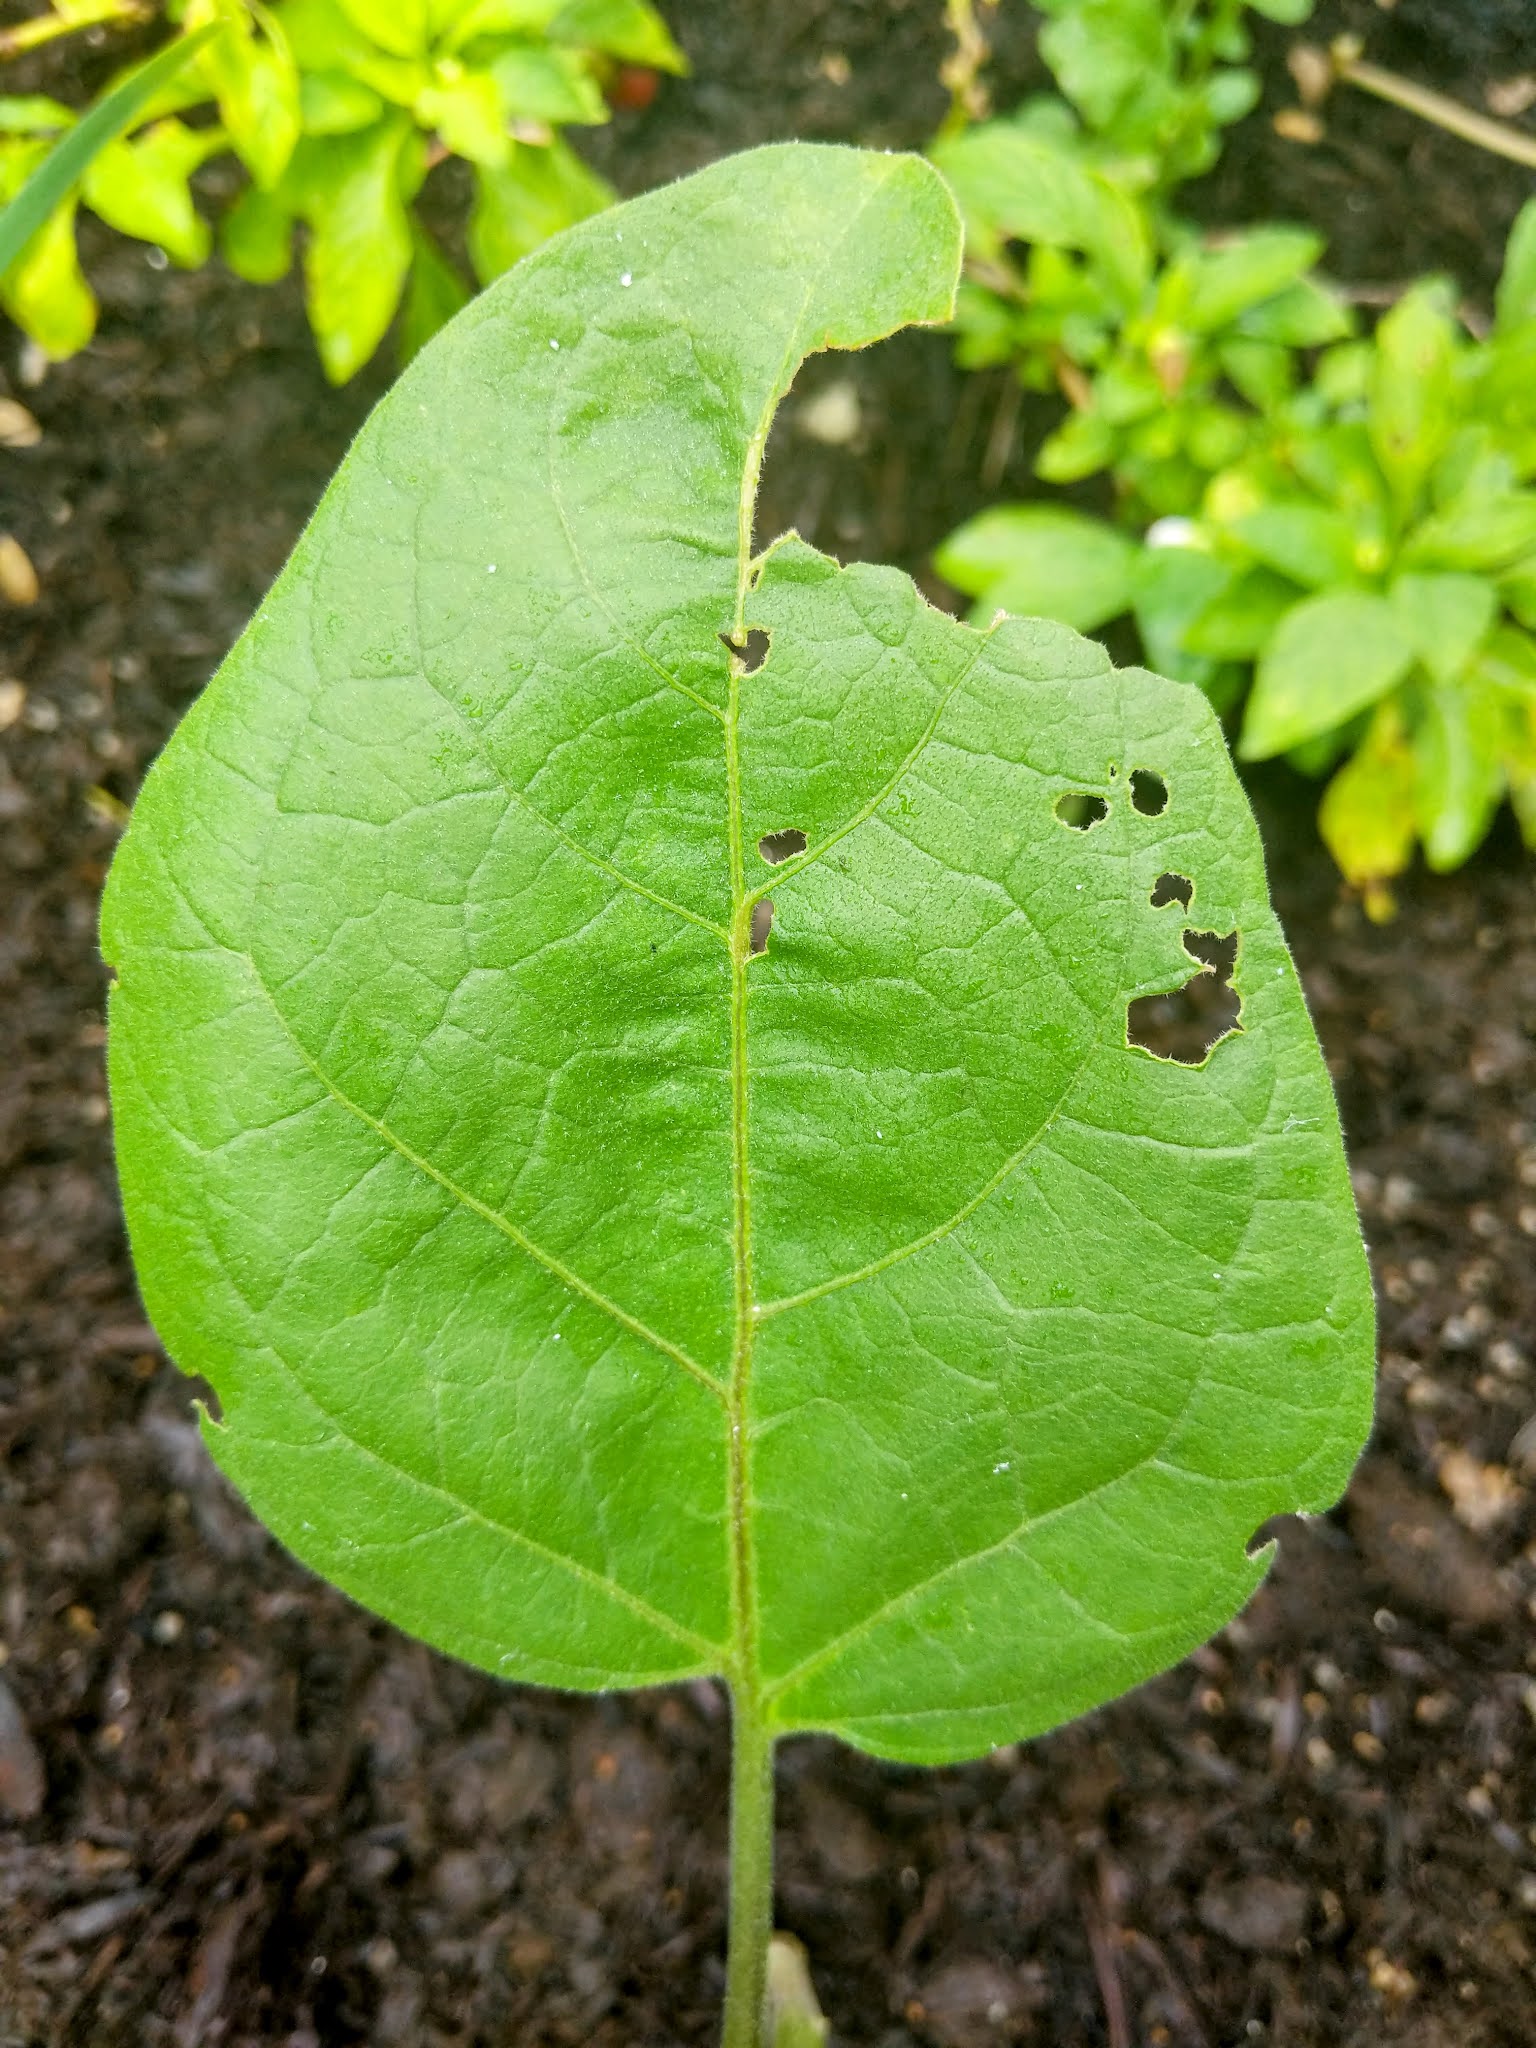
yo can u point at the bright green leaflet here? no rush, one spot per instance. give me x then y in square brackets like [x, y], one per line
[862, 1318]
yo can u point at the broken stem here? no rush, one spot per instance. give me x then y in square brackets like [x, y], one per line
[1431, 106]
[751, 1881]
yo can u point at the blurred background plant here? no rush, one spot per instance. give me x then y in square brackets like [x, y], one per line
[1330, 532]
[337, 110]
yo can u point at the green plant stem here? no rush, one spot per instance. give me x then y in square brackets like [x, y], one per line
[1495, 136]
[751, 1904]
[44, 28]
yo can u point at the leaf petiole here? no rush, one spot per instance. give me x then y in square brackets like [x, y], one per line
[751, 1893]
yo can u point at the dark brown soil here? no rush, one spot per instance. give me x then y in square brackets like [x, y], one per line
[240, 1811]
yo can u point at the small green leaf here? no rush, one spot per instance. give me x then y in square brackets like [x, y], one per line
[33, 114]
[330, 103]
[1516, 302]
[1413, 402]
[540, 191]
[628, 29]
[1330, 657]
[141, 188]
[1044, 560]
[402, 27]
[256, 236]
[1172, 587]
[1303, 540]
[1307, 314]
[434, 294]
[1517, 587]
[1508, 663]
[566, 1267]
[45, 291]
[547, 85]
[1013, 184]
[1480, 531]
[1291, 13]
[1457, 748]
[468, 112]
[1103, 51]
[359, 247]
[256, 83]
[1082, 445]
[1238, 623]
[1369, 816]
[1447, 618]
[1247, 270]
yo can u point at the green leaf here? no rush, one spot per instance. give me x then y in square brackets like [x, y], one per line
[628, 29]
[1102, 53]
[468, 113]
[330, 103]
[1413, 399]
[1329, 658]
[359, 247]
[399, 26]
[1173, 586]
[1516, 301]
[141, 188]
[863, 1317]
[1289, 12]
[1369, 816]
[1307, 542]
[1041, 559]
[1517, 587]
[1307, 314]
[1480, 531]
[256, 83]
[323, 38]
[55, 176]
[435, 293]
[1082, 445]
[1012, 184]
[1246, 271]
[34, 114]
[45, 292]
[1508, 663]
[1447, 618]
[1239, 621]
[1457, 746]
[541, 190]
[256, 236]
[547, 85]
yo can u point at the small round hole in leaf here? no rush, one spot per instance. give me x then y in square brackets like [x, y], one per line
[777, 846]
[1149, 792]
[762, 924]
[751, 651]
[1075, 807]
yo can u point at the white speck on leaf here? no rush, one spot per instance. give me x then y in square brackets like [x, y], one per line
[490, 568]
[626, 278]
[1005, 1466]
[554, 344]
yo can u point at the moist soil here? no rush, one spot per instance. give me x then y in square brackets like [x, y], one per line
[235, 1809]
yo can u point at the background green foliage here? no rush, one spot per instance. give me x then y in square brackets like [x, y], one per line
[337, 109]
[1335, 526]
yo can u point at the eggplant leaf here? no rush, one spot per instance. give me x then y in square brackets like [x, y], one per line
[610, 1282]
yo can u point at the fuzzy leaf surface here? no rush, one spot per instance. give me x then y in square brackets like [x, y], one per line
[608, 1302]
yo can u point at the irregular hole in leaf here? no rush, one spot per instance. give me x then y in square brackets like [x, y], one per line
[777, 846]
[1075, 807]
[751, 652]
[1172, 888]
[1149, 792]
[1187, 1022]
[762, 924]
